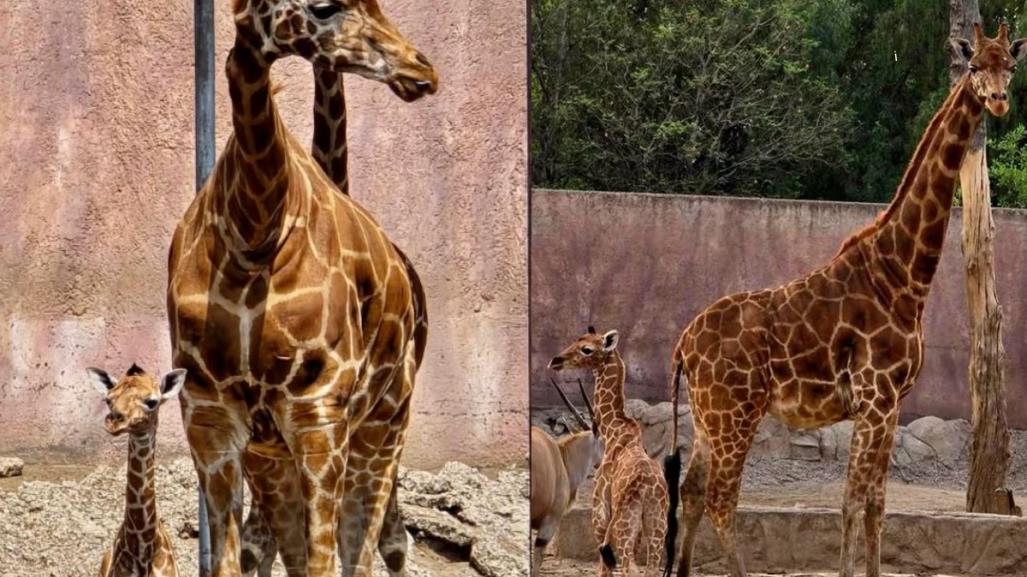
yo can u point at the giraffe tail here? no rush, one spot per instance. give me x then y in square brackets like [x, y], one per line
[672, 475]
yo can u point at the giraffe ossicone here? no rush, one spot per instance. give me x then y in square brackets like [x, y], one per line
[629, 498]
[843, 342]
[142, 547]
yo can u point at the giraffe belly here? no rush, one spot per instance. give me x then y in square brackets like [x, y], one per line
[808, 404]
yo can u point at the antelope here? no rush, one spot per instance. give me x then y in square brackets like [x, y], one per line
[558, 468]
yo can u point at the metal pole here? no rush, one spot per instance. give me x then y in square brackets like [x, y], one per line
[203, 53]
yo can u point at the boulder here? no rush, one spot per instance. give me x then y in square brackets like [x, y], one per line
[772, 440]
[805, 445]
[949, 439]
[11, 467]
[909, 450]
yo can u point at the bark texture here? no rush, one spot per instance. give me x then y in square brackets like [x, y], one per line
[989, 451]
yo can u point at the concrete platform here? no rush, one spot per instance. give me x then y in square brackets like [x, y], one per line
[776, 540]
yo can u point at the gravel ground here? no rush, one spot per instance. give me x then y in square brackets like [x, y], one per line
[60, 527]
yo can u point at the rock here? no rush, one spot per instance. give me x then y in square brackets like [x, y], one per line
[772, 440]
[464, 508]
[11, 467]
[835, 441]
[805, 445]
[949, 439]
[909, 449]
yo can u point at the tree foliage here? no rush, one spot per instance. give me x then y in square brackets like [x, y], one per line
[783, 98]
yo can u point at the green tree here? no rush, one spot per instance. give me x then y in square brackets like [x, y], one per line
[709, 97]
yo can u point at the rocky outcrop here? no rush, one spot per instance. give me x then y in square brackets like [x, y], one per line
[486, 520]
[925, 439]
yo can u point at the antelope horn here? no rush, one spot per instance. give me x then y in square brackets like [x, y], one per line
[588, 405]
[1003, 31]
[566, 401]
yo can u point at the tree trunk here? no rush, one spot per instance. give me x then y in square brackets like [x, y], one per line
[989, 451]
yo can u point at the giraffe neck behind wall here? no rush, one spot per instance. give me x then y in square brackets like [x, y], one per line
[139, 528]
[905, 243]
[329, 147]
[609, 397]
[253, 180]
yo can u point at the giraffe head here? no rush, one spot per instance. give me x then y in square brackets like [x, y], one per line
[590, 350]
[341, 35]
[991, 63]
[134, 400]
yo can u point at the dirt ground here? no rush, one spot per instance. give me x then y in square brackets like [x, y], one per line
[57, 520]
[558, 567]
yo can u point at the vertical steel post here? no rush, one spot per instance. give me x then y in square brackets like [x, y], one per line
[203, 53]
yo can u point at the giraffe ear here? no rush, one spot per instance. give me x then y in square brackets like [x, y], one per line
[962, 50]
[171, 383]
[1019, 48]
[610, 340]
[100, 379]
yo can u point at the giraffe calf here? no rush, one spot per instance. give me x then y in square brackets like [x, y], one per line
[630, 498]
[142, 547]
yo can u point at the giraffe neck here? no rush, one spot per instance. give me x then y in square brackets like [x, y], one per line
[329, 146]
[609, 397]
[139, 528]
[906, 241]
[254, 180]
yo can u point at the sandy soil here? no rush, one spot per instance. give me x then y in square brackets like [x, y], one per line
[57, 520]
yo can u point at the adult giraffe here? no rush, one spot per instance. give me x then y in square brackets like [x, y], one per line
[329, 148]
[291, 309]
[843, 342]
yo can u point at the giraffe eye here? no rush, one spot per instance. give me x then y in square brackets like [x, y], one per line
[325, 10]
[973, 69]
[586, 350]
[151, 404]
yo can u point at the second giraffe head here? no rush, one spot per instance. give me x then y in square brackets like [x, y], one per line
[589, 350]
[133, 400]
[990, 63]
[341, 35]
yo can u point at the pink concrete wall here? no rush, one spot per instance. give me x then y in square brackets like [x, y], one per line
[96, 166]
[646, 264]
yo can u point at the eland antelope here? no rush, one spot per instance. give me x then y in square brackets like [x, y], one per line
[558, 468]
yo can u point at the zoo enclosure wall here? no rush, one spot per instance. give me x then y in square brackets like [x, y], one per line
[97, 110]
[646, 264]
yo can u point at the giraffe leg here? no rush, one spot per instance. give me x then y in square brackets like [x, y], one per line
[727, 458]
[392, 544]
[276, 515]
[693, 495]
[372, 468]
[258, 545]
[216, 432]
[617, 549]
[654, 528]
[872, 437]
[542, 539]
[317, 433]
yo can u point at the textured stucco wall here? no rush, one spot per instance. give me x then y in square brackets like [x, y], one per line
[646, 264]
[96, 166]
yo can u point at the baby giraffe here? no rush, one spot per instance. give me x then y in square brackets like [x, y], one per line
[142, 547]
[629, 500]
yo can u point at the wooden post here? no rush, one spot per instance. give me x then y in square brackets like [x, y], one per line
[203, 55]
[989, 450]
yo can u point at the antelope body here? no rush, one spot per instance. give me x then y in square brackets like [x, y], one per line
[558, 468]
